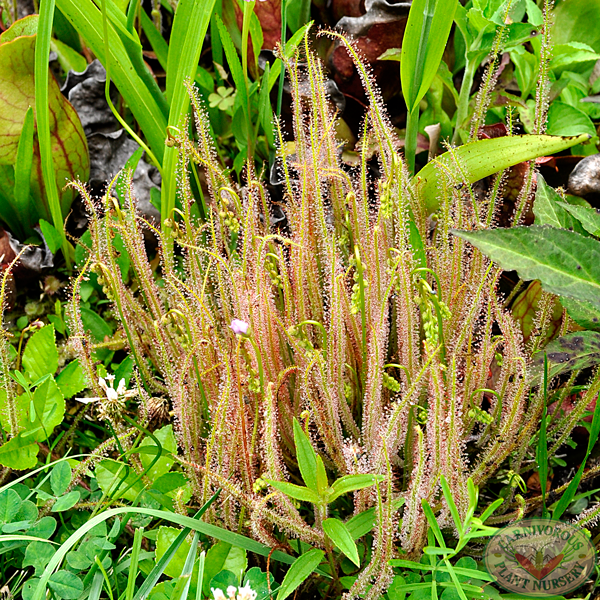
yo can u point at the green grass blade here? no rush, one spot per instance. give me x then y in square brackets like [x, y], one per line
[23, 166]
[157, 41]
[451, 505]
[96, 587]
[86, 18]
[188, 568]
[191, 523]
[42, 50]
[133, 565]
[190, 24]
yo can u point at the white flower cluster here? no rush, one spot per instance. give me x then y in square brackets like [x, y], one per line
[233, 593]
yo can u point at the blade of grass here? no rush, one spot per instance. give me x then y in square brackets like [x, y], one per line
[42, 51]
[133, 566]
[86, 18]
[23, 166]
[157, 41]
[190, 24]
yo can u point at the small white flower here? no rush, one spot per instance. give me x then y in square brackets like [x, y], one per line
[218, 594]
[113, 403]
[231, 590]
[246, 593]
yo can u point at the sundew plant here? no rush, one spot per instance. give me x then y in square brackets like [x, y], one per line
[360, 320]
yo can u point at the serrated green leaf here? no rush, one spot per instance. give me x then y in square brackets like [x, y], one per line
[300, 570]
[71, 380]
[340, 535]
[19, 453]
[482, 158]
[351, 483]
[585, 314]
[10, 504]
[295, 491]
[564, 261]
[547, 207]
[41, 354]
[588, 217]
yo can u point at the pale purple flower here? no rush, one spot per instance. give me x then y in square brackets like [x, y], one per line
[239, 327]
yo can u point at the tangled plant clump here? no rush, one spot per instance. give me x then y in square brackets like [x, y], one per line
[362, 316]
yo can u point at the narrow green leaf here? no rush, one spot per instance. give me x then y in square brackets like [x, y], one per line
[427, 30]
[190, 24]
[51, 236]
[86, 18]
[303, 566]
[340, 535]
[307, 457]
[565, 262]
[433, 524]
[23, 165]
[363, 522]
[482, 158]
[451, 505]
[42, 110]
[351, 483]
[295, 491]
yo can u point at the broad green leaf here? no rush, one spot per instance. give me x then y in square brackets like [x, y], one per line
[340, 535]
[71, 380]
[585, 314]
[60, 478]
[547, 207]
[565, 262]
[165, 462]
[564, 119]
[577, 20]
[298, 13]
[41, 355]
[295, 491]
[588, 217]
[17, 95]
[66, 585]
[351, 483]
[95, 324]
[46, 413]
[303, 566]
[166, 536]
[427, 30]
[66, 502]
[222, 556]
[110, 472]
[10, 504]
[568, 353]
[482, 158]
[19, 453]
[307, 457]
[38, 555]
[257, 580]
[222, 580]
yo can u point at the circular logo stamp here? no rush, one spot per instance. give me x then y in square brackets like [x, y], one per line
[540, 557]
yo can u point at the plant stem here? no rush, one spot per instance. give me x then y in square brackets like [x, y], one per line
[463, 99]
